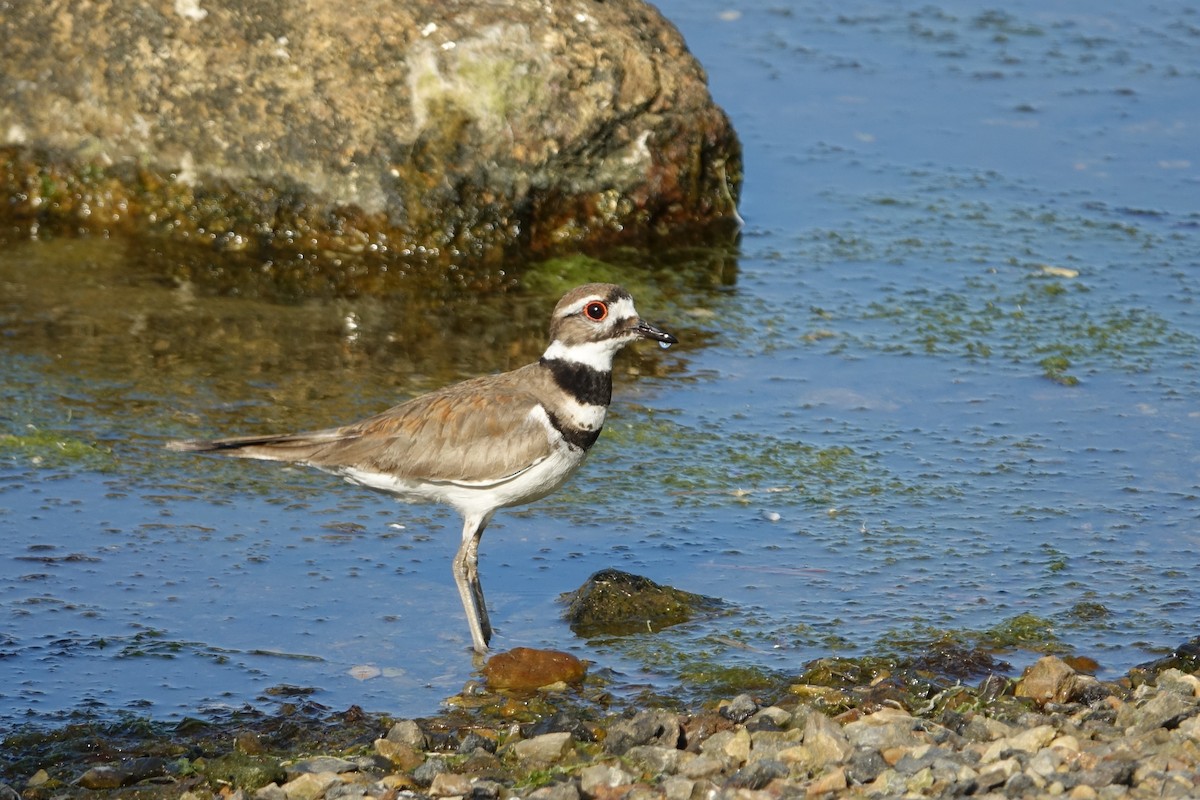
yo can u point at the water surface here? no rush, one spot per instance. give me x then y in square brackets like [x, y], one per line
[950, 381]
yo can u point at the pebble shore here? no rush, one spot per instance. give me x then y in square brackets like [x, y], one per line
[1053, 733]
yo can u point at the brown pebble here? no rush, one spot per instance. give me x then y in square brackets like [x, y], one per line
[527, 668]
[1049, 680]
[249, 743]
[402, 755]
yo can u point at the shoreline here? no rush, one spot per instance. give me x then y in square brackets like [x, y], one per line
[1054, 731]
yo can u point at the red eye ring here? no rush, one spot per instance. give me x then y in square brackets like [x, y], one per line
[596, 311]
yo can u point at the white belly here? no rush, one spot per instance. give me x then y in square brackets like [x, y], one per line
[479, 497]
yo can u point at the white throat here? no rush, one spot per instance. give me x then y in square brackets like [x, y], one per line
[597, 355]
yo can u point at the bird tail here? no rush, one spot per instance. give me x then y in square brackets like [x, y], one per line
[294, 447]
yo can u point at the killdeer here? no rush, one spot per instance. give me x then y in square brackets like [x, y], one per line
[483, 444]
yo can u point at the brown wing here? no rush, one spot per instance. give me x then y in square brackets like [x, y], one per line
[451, 436]
[473, 431]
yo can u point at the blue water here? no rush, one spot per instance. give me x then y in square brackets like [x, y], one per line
[860, 440]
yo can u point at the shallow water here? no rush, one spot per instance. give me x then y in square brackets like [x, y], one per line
[951, 381]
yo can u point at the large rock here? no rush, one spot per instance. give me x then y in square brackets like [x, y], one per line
[447, 132]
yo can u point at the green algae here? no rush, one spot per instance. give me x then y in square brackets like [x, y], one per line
[1039, 323]
[1022, 632]
[198, 750]
[56, 450]
[739, 467]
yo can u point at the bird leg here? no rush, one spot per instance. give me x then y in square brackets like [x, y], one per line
[466, 577]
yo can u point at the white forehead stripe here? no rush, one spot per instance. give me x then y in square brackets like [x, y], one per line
[621, 308]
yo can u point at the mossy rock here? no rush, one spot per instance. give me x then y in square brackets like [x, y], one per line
[616, 603]
[242, 770]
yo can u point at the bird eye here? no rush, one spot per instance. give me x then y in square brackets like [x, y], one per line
[595, 311]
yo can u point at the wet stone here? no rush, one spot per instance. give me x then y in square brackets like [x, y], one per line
[616, 603]
[408, 732]
[825, 740]
[757, 774]
[776, 716]
[595, 779]
[833, 780]
[731, 746]
[561, 721]
[740, 709]
[678, 788]
[1173, 680]
[310, 785]
[704, 766]
[242, 769]
[474, 741]
[655, 727]
[448, 784]
[114, 776]
[884, 729]
[428, 770]
[1166, 709]
[985, 729]
[1049, 680]
[528, 668]
[249, 743]
[769, 744]
[402, 755]
[865, 765]
[320, 764]
[565, 790]
[545, 749]
[272, 791]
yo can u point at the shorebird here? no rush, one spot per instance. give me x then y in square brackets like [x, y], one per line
[483, 444]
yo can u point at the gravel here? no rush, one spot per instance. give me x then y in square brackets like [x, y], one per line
[1076, 738]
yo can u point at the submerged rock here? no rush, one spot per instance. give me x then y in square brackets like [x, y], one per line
[448, 133]
[616, 603]
[125, 773]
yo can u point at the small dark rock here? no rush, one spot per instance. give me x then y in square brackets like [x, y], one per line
[865, 765]
[431, 768]
[740, 709]
[320, 764]
[1110, 772]
[564, 790]
[1185, 658]
[656, 727]
[700, 726]
[559, 722]
[909, 765]
[474, 741]
[344, 790]
[950, 659]
[484, 790]
[1019, 785]
[288, 690]
[757, 774]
